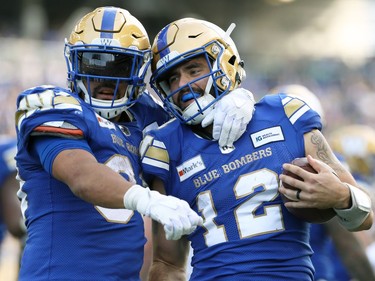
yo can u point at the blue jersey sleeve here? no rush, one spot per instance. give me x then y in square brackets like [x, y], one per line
[49, 110]
[159, 149]
[48, 148]
[149, 113]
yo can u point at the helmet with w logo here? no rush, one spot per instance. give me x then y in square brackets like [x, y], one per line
[107, 56]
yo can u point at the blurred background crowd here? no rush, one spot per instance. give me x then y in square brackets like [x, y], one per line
[325, 45]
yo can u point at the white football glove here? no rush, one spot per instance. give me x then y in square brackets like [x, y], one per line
[174, 214]
[230, 116]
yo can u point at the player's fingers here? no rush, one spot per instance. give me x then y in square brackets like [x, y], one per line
[208, 119]
[195, 219]
[291, 181]
[288, 192]
[298, 194]
[226, 131]
[218, 124]
[168, 229]
[236, 131]
[318, 165]
[297, 171]
[174, 230]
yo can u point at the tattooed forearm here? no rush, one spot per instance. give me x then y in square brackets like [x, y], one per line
[323, 152]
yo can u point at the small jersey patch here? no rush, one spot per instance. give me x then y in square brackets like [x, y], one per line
[190, 167]
[267, 136]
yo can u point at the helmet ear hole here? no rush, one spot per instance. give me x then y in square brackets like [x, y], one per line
[232, 60]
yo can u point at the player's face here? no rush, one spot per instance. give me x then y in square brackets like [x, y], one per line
[104, 89]
[184, 73]
[105, 71]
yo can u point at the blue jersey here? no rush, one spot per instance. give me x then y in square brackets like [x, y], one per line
[247, 234]
[326, 260]
[321, 242]
[68, 238]
[8, 148]
[340, 271]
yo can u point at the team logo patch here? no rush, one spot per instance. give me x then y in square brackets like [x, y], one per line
[190, 167]
[266, 136]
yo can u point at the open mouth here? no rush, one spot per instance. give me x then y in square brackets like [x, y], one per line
[104, 93]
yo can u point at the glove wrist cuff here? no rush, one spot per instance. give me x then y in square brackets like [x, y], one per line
[137, 198]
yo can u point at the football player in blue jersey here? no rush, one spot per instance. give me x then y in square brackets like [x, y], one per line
[10, 212]
[11, 219]
[81, 187]
[247, 233]
[339, 255]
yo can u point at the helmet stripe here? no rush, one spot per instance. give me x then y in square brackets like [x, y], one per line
[108, 22]
[162, 42]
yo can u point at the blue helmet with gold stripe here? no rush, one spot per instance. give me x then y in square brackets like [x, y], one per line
[107, 55]
[183, 40]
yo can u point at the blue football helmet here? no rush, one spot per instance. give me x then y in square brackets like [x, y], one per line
[183, 40]
[109, 47]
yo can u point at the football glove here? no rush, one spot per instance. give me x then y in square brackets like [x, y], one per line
[174, 214]
[230, 116]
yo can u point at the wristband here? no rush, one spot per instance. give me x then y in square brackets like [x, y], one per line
[353, 217]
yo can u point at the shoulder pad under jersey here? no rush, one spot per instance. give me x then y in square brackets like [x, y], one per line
[299, 114]
[44, 101]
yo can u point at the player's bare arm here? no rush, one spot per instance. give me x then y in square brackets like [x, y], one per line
[332, 187]
[169, 256]
[99, 188]
[314, 192]
[108, 189]
[352, 251]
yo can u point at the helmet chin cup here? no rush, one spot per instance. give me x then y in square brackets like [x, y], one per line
[105, 108]
[198, 110]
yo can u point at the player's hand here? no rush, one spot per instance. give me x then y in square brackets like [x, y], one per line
[320, 190]
[174, 214]
[230, 116]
